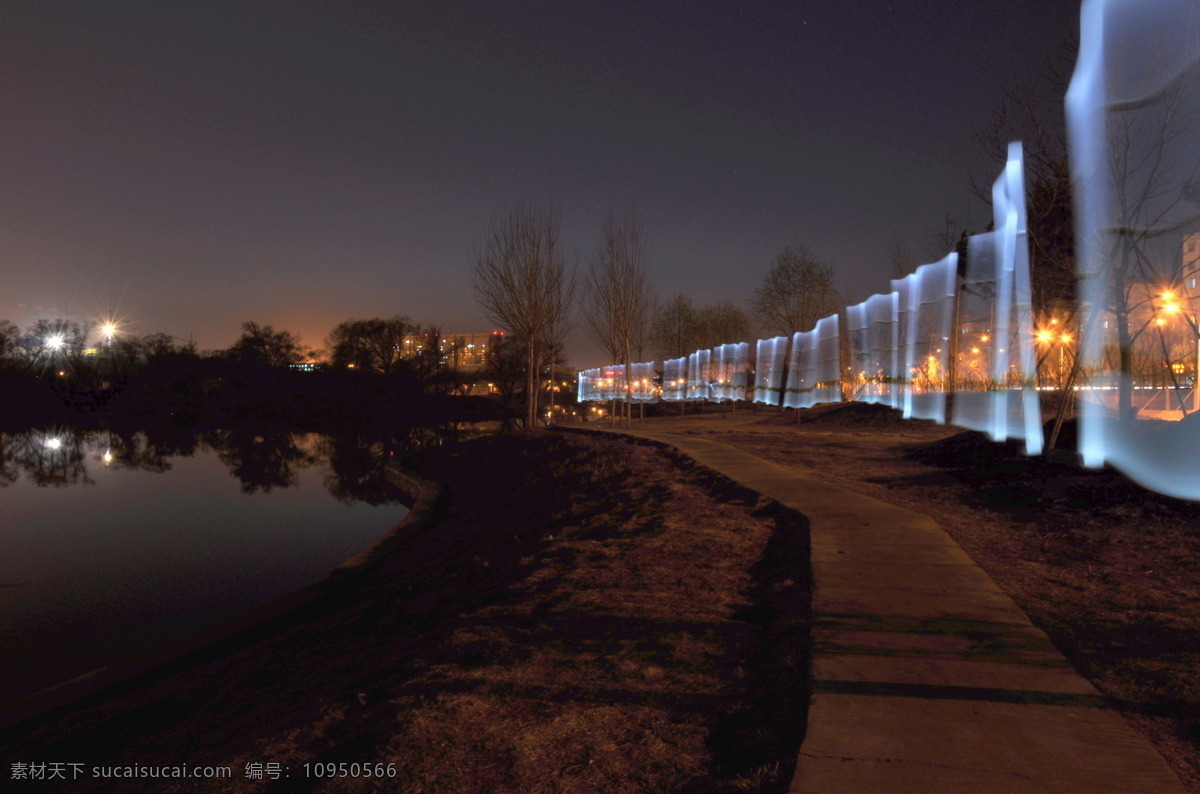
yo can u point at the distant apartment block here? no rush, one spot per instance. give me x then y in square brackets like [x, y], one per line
[463, 352]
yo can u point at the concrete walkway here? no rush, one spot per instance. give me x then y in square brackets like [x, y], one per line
[926, 677]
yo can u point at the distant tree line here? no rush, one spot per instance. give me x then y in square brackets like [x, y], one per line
[56, 370]
[524, 284]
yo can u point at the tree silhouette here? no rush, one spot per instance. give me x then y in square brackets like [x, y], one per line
[522, 283]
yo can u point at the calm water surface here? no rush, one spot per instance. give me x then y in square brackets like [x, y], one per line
[109, 548]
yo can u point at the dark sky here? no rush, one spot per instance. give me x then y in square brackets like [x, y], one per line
[189, 166]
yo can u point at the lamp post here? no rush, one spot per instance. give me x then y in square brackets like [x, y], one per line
[1063, 341]
[1172, 307]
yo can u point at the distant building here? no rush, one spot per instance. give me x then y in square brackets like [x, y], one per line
[465, 353]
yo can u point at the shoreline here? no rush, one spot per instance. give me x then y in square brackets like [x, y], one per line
[224, 635]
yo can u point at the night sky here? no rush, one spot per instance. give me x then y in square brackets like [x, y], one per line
[189, 166]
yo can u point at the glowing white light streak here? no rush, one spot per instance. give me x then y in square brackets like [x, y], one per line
[730, 374]
[814, 366]
[699, 366]
[674, 386]
[770, 363]
[926, 306]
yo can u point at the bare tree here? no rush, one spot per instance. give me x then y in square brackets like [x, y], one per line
[522, 283]
[674, 328]
[51, 341]
[374, 345]
[619, 301]
[1032, 112]
[721, 323]
[560, 323]
[9, 337]
[902, 260]
[262, 345]
[1150, 152]
[797, 291]
[950, 236]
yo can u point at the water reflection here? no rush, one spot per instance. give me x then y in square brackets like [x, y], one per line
[168, 532]
[356, 468]
[47, 457]
[263, 456]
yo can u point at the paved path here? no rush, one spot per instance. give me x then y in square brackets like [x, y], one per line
[926, 677]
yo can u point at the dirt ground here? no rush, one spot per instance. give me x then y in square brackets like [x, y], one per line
[581, 614]
[1109, 570]
[590, 615]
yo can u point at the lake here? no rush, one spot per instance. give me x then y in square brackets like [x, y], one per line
[112, 545]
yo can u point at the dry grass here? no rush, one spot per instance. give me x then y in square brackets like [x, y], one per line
[583, 615]
[1109, 570]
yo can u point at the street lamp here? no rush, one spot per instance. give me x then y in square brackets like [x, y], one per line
[1171, 307]
[1049, 338]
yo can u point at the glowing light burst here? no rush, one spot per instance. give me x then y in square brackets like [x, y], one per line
[1133, 114]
